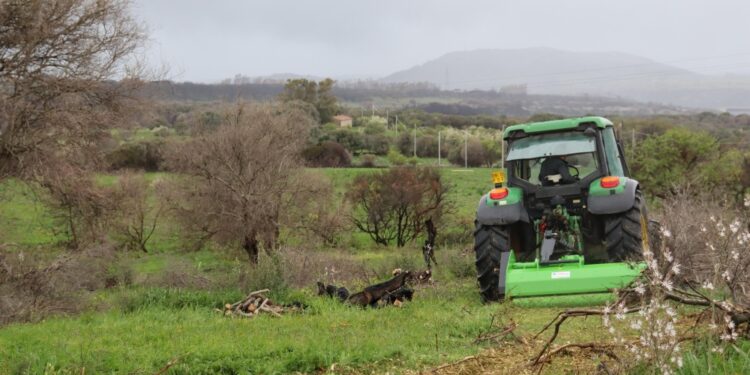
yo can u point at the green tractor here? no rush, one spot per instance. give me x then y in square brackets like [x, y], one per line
[568, 220]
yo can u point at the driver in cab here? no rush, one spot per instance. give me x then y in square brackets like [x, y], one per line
[555, 171]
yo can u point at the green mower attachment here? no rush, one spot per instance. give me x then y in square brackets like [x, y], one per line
[568, 275]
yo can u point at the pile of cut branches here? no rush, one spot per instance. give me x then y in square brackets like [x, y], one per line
[256, 303]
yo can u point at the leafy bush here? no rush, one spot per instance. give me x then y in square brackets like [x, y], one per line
[145, 155]
[395, 158]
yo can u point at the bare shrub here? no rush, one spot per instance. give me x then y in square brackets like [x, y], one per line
[178, 274]
[30, 292]
[80, 206]
[394, 205]
[702, 263]
[58, 59]
[136, 218]
[239, 178]
[710, 242]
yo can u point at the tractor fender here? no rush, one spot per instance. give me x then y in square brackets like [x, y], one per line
[496, 213]
[603, 201]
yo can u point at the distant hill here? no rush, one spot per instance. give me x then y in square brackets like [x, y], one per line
[552, 71]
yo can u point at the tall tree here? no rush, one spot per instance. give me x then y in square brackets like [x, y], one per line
[58, 60]
[318, 94]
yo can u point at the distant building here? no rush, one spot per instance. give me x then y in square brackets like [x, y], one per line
[343, 121]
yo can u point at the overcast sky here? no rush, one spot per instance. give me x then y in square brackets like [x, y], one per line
[206, 41]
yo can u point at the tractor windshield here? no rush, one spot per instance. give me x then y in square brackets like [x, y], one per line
[555, 144]
[578, 166]
[553, 159]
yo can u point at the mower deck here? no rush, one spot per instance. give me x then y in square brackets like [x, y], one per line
[570, 276]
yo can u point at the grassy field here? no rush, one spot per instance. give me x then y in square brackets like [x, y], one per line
[164, 315]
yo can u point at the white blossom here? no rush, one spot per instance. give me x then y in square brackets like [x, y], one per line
[668, 285]
[726, 275]
[676, 269]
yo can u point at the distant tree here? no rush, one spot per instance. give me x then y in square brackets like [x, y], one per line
[327, 103]
[475, 153]
[427, 146]
[327, 154]
[319, 94]
[394, 205]
[377, 144]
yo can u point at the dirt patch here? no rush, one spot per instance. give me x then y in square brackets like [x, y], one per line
[515, 358]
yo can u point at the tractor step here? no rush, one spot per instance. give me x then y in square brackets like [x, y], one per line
[569, 275]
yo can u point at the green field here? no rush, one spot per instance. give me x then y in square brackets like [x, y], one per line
[164, 315]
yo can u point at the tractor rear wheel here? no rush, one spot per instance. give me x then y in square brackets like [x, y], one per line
[626, 234]
[489, 242]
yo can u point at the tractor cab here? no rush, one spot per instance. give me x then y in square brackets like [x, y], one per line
[568, 202]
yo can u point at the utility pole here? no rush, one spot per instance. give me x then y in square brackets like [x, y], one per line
[502, 148]
[439, 148]
[632, 142]
[396, 125]
[387, 118]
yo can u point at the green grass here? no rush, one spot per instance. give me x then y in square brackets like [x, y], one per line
[140, 328]
[24, 221]
[158, 326]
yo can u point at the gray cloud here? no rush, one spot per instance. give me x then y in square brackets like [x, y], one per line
[208, 41]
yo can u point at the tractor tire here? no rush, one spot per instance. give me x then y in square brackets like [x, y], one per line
[489, 242]
[626, 234]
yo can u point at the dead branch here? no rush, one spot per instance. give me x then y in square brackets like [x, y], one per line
[453, 364]
[606, 349]
[493, 336]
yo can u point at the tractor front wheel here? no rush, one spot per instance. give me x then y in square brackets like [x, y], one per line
[489, 242]
[627, 233]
